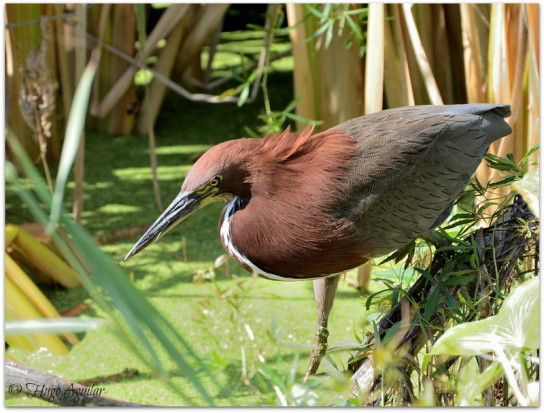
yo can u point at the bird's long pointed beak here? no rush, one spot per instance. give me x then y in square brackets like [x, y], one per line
[180, 208]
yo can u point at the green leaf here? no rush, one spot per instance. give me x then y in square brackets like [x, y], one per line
[501, 164]
[320, 31]
[391, 331]
[471, 383]
[344, 345]
[528, 154]
[432, 303]
[426, 274]
[364, 12]
[293, 104]
[327, 10]
[506, 181]
[528, 188]
[426, 359]
[459, 280]
[376, 334]
[297, 118]
[454, 248]
[368, 302]
[460, 222]
[515, 327]
[328, 37]
[355, 27]
[243, 95]
[315, 12]
[140, 23]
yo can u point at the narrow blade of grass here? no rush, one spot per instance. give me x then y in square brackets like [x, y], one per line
[74, 128]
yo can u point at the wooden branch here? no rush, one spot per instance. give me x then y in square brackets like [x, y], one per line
[195, 97]
[20, 379]
[499, 247]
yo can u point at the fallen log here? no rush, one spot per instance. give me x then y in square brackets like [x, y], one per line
[23, 380]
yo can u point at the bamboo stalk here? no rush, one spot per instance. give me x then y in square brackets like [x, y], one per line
[63, 33]
[81, 61]
[393, 86]
[498, 76]
[122, 117]
[207, 18]
[306, 71]
[533, 79]
[157, 90]
[511, 28]
[101, 24]
[472, 55]
[441, 55]
[103, 16]
[416, 79]
[519, 61]
[498, 80]
[406, 81]
[421, 57]
[427, 29]
[452, 15]
[166, 23]
[55, 138]
[374, 62]
[533, 25]
[341, 83]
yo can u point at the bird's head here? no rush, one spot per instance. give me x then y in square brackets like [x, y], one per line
[220, 174]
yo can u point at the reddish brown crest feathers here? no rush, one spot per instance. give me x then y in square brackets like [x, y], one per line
[283, 145]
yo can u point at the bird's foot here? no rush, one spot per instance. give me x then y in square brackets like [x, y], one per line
[318, 351]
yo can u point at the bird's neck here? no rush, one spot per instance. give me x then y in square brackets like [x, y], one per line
[287, 227]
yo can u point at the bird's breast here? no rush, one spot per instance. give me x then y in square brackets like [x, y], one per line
[225, 232]
[262, 247]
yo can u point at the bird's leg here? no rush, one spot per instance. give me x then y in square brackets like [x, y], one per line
[324, 291]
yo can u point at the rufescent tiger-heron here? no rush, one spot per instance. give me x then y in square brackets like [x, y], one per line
[311, 207]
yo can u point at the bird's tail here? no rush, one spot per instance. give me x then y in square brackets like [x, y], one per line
[494, 125]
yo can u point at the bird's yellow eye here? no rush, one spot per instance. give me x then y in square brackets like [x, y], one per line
[215, 181]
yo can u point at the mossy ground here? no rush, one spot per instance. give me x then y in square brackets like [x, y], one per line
[232, 320]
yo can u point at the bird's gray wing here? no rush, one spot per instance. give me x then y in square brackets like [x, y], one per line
[412, 164]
